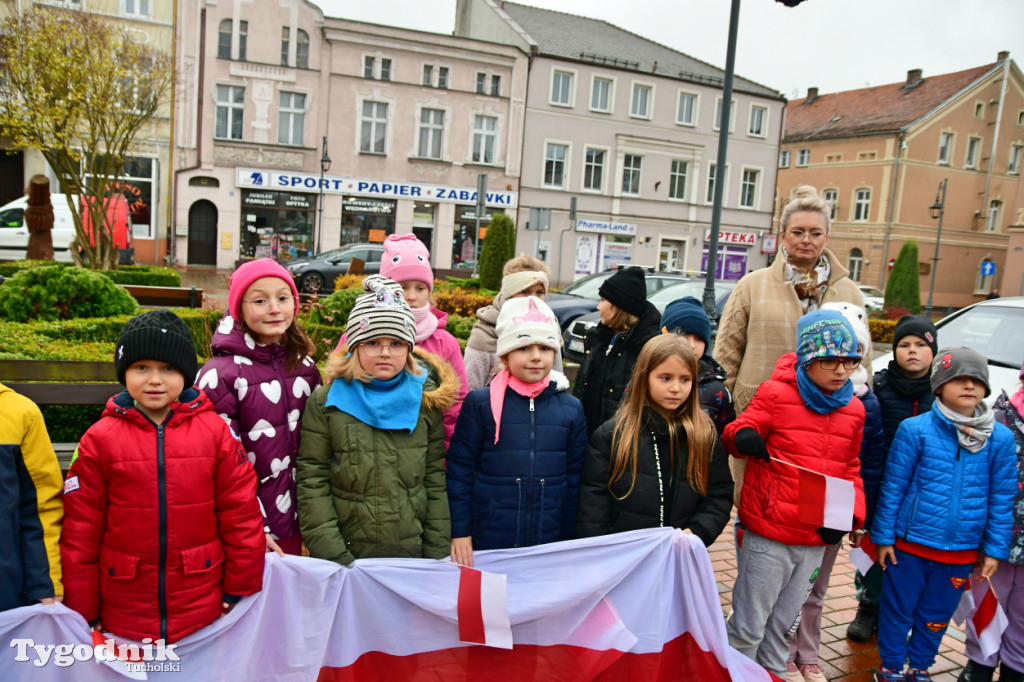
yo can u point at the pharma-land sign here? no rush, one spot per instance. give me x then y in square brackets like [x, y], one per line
[605, 227]
[366, 187]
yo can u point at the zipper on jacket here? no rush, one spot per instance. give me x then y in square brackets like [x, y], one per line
[519, 510]
[529, 488]
[955, 511]
[540, 513]
[161, 485]
[531, 404]
[913, 408]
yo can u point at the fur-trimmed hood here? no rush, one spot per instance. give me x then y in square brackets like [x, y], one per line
[441, 389]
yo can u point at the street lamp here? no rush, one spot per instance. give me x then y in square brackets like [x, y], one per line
[936, 210]
[325, 165]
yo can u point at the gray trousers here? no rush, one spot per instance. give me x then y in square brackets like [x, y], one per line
[803, 650]
[770, 588]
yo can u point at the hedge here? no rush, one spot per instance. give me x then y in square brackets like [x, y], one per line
[149, 275]
[881, 330]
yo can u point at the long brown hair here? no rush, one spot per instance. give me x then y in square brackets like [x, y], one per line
[697, 426]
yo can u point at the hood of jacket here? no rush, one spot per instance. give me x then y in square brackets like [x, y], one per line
[709, 370]
[441, 389]
[785, 369]
[191, 402]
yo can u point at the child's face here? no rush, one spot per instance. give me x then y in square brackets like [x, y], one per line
[417, 294]
[962, 394]
[536, 289]
[383, 357]
[154, 385]
[268, 308]
[530, 364]
[607, 310]
[914, 356]
[698, 345]
[829, 378]
[669, 385]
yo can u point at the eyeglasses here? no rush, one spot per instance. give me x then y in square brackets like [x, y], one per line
[830, 364]
[264, 305]
[814, 235]
[375, 348]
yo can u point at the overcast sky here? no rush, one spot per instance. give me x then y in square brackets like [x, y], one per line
[831, 44]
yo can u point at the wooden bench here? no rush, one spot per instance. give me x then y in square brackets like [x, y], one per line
[180, 297]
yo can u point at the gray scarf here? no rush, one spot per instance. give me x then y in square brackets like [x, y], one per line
[972, 432]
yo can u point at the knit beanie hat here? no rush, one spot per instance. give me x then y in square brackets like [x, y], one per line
[688, 317]
[382, 311]
[525, 321]
[156, 335]
[824, 334]
[858, 319]
[514, 282]
[626, 289]
[247, 273]
[406, 259]
[961, 361]
[919, 326]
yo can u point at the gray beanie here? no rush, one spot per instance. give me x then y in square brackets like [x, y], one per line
[960, 361]
[383, 311]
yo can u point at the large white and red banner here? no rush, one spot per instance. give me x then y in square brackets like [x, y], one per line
[633, 606]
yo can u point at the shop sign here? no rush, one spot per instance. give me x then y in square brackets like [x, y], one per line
[259, 199]
[744, 238]
[354, 205]
[605, 227]
[300, 201]
[471, 215]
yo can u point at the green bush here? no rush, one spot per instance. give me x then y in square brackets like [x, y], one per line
[11, 268]
[903, 290]
[149, 275]
[49, 293]
[499, 247]
[462, 282]
[67, 423]
[459, 327]
[881, 330]
[334, 309]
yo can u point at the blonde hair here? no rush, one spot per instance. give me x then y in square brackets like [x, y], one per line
[523, 263]
[621, 320]
[696, 425]
[349, 369]
[805, 198]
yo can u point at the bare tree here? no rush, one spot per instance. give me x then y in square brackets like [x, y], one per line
[79, 89]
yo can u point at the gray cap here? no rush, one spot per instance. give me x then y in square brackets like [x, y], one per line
[960, 361]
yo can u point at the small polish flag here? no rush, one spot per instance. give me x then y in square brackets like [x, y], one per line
[864, 555]
[826, 501]
[107, 654]
[987, 622]
[483, 609]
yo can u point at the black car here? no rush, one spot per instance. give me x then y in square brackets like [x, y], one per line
[581, 297]
[317, 273]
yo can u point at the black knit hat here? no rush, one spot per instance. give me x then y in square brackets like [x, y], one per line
[156, 335]
[919, 326]
[626, 289]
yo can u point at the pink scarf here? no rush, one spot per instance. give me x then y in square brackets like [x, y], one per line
[504, 379]
[426, 322]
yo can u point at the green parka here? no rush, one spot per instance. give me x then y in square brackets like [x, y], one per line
[365, 492]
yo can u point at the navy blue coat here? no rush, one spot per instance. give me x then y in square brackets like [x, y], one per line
[898, 403]
[524, 489]
[872, 454]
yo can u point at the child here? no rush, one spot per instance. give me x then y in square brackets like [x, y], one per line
[515, 460]
[686, 316]
[30, 487]
[522, 276]
[903, 390]
[370, 466]
[805, 416]
[659, 462]
[259, 378]
[628, 321]
[162, 530]
[1008, 581]
[946, 504]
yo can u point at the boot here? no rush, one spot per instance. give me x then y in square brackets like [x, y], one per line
[1007, 674]
[976, 672]
[865, 624]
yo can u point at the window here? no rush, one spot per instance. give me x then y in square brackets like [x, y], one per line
[831, 197]
[243, 37]
[986, 276]
[640, 106]
[385, 69]
[301, 49]
[945, 147]
[994, 209]
[431, 129]
[375, 122]
[291, 118]
[1020, 117]
[442, 77]
[718, 113]
[484, 138]
[139, 8]
[861, 156]
[554, 164]
[784, 158]
[481, 81]
[686, 112]
[601, 95]
[631, 173]
[593, 170]
[224, 39]
[803, 157]
[748, 188]
[230, 106]
[712, 172]
[677, 179]
[862, 204]
[855, 264]
[758, 121]
[979, 110]
[1013, 167]
[971, 160]
[428, 75]
[561, 88]
[286, 34]
[495, 85]
[368, 69]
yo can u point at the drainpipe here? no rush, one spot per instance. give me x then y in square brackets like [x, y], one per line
[995, 136]
[892, 200]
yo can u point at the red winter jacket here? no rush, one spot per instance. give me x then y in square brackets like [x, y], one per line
[826, 443]
[160, 522]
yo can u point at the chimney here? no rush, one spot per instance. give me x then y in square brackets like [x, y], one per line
[1003, 55]
[913, 76]
[812, 94]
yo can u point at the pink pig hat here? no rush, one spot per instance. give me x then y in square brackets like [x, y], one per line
[406, 259]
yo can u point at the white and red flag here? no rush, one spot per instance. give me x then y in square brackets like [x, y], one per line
[864, 554]
[826, 501]
[483, 609]
[986, 621]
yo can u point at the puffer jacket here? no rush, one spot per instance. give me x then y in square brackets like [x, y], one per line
[522, 490]
[714, 396]
[897, 403]
[160, 522]
[826, 443]
[367, 492]
[872, 454]
[938, 494]
[250, 386]
[607, 366]
[604, 511]
[1008, 415]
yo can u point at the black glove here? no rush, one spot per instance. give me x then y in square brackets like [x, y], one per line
[831, 536]
[749, 442]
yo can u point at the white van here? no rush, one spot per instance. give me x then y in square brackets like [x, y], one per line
[14, 233]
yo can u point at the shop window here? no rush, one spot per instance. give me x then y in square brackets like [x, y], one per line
[366, 220]
[464, 243]
[230, 110]
[136, 184]
[732, 262]
[277, 224]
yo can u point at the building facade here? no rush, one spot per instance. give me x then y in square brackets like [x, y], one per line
[880, 154]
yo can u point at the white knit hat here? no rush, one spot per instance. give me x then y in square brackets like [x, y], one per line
[383, 311]
[525, 321]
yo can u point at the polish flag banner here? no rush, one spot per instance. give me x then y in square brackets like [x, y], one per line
[986, 621]
[864, 555]
[826, 501]
[483, 609]
[105, 652]
[628, 607]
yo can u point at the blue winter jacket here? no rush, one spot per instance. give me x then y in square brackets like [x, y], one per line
[872, 454]
[938, 494]
[524, 489]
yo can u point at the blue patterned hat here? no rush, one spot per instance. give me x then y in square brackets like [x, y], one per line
[824, 334]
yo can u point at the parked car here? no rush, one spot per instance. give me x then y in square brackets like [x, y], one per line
[581, 297]
[994, 329]
[14, 232]
[317, 273]
[873, 298]
[573, 335]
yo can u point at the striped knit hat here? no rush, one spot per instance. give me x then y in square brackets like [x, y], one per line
[383, 311]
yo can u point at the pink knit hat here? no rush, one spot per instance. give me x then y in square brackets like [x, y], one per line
[247, 273]
[406, 259]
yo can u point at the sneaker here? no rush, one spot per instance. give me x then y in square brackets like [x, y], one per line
[793, 673]
[976, 672]
[864, 624]
[917, 675]
[813, 672]
[884, 674]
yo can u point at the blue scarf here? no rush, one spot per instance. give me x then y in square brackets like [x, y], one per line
[391, 404]
[816, 399]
